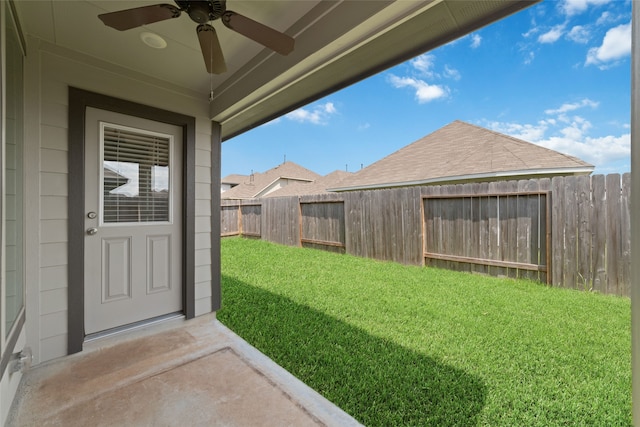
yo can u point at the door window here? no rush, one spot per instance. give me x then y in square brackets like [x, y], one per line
[136, 176]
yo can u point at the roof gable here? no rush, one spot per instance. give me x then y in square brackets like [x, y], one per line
[319, 186]
[257, 183]
[462, 151]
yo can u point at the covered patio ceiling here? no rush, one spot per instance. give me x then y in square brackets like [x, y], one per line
[337, 43]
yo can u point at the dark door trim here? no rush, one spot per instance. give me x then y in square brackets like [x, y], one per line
[79, 100]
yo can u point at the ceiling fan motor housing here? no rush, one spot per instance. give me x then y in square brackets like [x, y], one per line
[202, 11]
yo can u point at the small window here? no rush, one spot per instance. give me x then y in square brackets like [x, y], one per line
[136, 175]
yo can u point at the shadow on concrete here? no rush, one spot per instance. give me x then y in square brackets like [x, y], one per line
[373, 379]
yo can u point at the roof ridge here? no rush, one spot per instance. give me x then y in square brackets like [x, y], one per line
[523, 141]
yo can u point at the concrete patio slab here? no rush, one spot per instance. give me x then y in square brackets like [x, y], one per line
[178, 373]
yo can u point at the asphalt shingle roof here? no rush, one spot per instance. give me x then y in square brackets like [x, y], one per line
[254, 184]
[234, 178]
[461, 150]
[319, 186]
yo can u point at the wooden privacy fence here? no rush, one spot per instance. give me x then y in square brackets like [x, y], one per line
[567, 231]
[500, 234]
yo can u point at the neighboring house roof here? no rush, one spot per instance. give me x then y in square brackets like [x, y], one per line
[257, 184]
[234, 179]
[319, 186]
[461, 152]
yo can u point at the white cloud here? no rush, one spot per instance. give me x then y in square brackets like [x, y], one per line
[317, 115]
[615, 45]
[527, 132]
[424, 92]
[564, 108]
[579, 34]
[552, 35]
[424, 64]
[476, 40]
[529, 58]
[575, 7]
[597, 151]
[570, 135]
[605, 18]
[451, 73]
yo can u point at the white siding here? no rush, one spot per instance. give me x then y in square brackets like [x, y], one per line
[50, 71]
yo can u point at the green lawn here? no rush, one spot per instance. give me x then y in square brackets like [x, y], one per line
[395, 345]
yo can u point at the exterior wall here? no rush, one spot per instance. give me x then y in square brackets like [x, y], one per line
[50, 71]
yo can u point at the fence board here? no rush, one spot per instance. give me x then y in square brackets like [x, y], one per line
[614, 246]
[584, 278]
[229, 220]
[557, 236]
[251, 219]
[322, 223]
[625, 227]
[598, 234]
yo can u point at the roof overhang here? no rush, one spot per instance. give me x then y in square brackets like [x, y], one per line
[374, 36]
[337, 43]
[479, 177]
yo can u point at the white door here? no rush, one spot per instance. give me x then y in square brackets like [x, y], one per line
[133, 199]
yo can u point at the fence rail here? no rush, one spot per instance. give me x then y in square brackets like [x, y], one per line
[570, 232]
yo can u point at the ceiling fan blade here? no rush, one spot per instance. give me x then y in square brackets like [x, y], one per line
[211, 50]
[274, 40]
[132, 18]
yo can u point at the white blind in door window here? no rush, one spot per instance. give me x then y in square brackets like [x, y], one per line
[135, 184]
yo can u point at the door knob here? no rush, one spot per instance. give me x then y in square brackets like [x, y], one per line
[91, 231]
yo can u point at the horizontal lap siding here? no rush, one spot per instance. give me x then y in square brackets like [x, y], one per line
[48, 77]
[53, 153]
[203, 220]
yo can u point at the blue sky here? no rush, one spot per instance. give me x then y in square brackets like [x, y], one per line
[556, 74]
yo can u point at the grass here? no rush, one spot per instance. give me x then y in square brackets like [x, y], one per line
[397, 345]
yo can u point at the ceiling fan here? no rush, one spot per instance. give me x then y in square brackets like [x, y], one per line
[201, 12]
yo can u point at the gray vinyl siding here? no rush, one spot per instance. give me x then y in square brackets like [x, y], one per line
[50, 71]
[203, 222]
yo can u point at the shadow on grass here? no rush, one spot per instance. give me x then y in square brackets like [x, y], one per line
[375, 380]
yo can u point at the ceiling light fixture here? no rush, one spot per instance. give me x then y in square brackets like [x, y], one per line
[153, 40]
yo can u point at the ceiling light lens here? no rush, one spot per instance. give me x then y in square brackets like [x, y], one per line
[153, 40]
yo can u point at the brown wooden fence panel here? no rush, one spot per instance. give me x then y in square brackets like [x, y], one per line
[322, 224]
[463, 229]
[591, 233]
[251, 219]
[569, 231]
[280, 220]
[229, 220]
[384, 224]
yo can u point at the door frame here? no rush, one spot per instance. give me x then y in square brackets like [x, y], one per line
[79, 100]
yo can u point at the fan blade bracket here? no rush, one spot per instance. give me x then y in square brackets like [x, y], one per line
[258, 32]
[127, 19]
